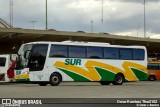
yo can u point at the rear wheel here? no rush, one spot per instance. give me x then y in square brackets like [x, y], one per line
[118, 80]
[55, 79]
[105, 82]
[152, 78]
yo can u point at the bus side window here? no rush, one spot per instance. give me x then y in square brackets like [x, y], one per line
[94, 52]
[153, 66]
[111, 53]
[77, 52]
[126, 54]
[58, 51]
[138, 54]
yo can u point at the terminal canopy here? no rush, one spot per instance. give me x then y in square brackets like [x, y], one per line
[12, 38]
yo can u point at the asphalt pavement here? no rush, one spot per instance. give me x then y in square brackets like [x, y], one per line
[142, 89]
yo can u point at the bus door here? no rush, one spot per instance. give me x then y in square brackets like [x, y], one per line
[36, 63]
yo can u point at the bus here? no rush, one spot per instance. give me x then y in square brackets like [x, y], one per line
[153, 70]
[53, 62]
[6, 68]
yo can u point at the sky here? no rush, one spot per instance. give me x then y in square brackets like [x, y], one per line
[120, 17]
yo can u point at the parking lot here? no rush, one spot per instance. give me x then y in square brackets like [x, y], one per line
[143, 89]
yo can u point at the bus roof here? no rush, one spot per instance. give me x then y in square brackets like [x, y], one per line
[98, 44]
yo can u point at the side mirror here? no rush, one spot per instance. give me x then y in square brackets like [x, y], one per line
[13, 57]
[27, 54]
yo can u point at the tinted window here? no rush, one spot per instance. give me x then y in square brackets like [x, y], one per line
[77, 52]
[38, 57]
[2, 62]
[94, 52]
[58, 51]
[138, 54]
[111, 53]
[126, 54]
[153, 66]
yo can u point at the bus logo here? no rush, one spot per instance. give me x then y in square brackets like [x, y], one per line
[18, 72]
[73, 61]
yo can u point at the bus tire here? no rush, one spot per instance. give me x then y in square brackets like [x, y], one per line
[118, 80]
[152, 78]
[42, 83]
[105, 82]
[55, 79]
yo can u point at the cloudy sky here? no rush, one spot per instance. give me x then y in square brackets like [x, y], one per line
[124, 17]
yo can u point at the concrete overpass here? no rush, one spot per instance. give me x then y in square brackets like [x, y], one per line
[5, 24]
[12, 38]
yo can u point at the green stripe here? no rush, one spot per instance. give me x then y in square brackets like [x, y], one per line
[74, 76]
[23, 80]
[105, 74]
[140, 74]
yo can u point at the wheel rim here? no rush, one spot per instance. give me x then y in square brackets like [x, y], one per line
[151, 78]
[119, 79]
[55, 79]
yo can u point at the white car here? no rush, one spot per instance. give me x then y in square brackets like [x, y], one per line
[6, 68]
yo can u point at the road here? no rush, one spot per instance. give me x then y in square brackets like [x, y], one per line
[143, 89]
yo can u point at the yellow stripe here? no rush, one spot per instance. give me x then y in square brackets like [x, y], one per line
[24, 76]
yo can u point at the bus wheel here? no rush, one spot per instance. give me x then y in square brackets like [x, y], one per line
[118, 80]
[105, 82]
[55, 79]
[152, 78]
[42, 83]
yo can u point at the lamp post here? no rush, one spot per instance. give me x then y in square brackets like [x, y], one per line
[11, 13]
[91, 26]
[144, 19]
[102, 12]
[46, 16]
[33, 23]
[138, 28]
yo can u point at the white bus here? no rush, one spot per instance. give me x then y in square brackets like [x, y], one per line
[6, 68]
[53, 62]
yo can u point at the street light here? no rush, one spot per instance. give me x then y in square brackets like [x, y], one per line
[102, 12]
[11, 13]
[46, 16]
[144, 19]
[138, 28]
[33, 23]
[91, 26]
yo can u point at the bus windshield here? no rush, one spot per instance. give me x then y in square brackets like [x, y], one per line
[21, 61]
[36, 59]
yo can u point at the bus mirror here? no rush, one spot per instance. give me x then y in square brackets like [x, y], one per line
[27, 54]
[13, 57]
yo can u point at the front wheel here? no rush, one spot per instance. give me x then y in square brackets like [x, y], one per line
[55, 79]
[118, 80]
